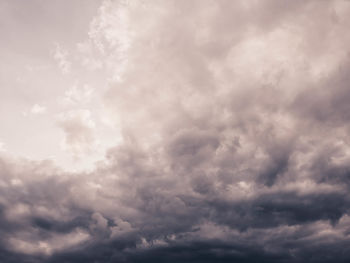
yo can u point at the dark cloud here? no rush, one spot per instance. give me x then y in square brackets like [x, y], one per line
[234, 147]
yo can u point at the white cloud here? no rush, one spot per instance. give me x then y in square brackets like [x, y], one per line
[38, 109]
[111, 41]
[78, 95]
[2, 147]
[61, 57]
[21, 242]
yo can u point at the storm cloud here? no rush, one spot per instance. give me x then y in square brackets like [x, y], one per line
[174, 131]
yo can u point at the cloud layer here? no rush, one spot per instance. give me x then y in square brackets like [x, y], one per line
[232, 125]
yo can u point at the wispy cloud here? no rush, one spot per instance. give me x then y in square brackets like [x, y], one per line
[61, 57]
[37, 109]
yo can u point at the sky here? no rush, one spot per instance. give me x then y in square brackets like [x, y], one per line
[174, 131]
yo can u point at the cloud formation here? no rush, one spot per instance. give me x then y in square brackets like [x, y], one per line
[235, 148]
[78, 128]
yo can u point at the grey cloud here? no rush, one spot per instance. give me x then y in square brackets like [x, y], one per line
[78, 127]
[235, 144]
[326, 102]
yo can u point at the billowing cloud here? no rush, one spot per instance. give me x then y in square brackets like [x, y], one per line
[235, 147]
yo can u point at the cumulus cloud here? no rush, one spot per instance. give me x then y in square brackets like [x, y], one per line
[235, 145]
[78, 128]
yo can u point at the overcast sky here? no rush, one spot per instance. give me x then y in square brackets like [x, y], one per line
[174, 131]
